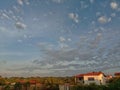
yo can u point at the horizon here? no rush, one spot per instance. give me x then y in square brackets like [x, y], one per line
[59, 37]
[112, 74]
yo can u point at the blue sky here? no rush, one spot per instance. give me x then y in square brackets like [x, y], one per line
[59, 37]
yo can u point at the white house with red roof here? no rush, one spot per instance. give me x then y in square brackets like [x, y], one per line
[92, 77]
[117, 74]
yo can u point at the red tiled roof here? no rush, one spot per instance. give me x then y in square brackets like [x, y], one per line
[89, 74]
[33, 82]
[117, 73]
[22, 81]
[109, 76]
[93, 73]
[80, 75]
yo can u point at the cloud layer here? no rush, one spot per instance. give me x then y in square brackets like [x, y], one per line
[58, 37]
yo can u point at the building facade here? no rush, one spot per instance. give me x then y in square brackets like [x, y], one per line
[97, 78]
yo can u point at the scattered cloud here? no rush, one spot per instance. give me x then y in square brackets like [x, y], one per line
[104, 19]
[113, 14]
[16, 10]
[62, 39]
[5, 16]
[97, 40]
[73, 59]
[63, 48]
[81, 57]
[20, 25]
[74, 17]
[20, 2]
[114, 5]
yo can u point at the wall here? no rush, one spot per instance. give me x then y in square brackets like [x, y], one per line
[100, 79]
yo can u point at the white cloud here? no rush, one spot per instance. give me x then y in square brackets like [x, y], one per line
[63, 45]
[20, 25]
[5, 16]
[63, 42]
[74, 17]
[113, 14]
[114, 5]
[62, 39]
[16, 9]
[20, 2]
[104, 19]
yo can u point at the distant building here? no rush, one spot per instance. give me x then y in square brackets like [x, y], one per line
[117, 74]
[90, 78]
[108, 77]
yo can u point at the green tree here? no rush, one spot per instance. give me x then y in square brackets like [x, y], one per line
[2, 81]
[7, 87]
[18, 86]
[115, 84]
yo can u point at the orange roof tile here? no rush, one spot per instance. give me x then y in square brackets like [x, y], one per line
[33, 82]
[89, 74]
[22, 81]
[93, 73]
[117, 73]
[80, 75]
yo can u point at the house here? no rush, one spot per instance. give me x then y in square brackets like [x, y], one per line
[92, 77]
[33, 82]
[108, 78]
[117, 74]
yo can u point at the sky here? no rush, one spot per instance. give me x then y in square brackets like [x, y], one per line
[59, 37]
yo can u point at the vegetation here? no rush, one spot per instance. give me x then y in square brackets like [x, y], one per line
[88, 87]
[52, 83]
[114, 84]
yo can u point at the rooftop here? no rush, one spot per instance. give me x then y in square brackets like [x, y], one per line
[90, 74]
[117, 73]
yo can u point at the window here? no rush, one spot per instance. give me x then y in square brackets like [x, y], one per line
[91, 79]
[81, 78]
